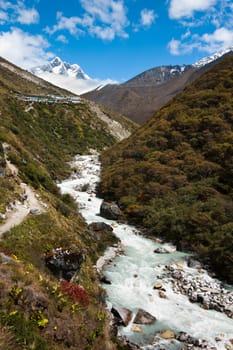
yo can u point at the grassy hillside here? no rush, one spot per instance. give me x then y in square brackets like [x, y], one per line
[174, 175]
[37, 310]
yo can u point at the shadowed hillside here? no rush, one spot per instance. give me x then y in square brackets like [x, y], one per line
[174, 174]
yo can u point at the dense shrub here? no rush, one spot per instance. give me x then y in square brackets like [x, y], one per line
[175, 176]
[75, 292]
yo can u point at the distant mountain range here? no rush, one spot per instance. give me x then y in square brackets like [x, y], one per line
[139, 97]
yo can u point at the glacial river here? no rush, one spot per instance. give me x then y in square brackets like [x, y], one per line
[134, 273]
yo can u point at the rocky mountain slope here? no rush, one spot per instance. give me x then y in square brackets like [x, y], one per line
[142, 95]
[39, 135]
[174, 174]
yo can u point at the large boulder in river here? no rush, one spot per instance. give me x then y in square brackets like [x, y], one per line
[110, 210]
[100, 226]
[121, 315]
[168, 334]
[161, 250]
[144, 317]
[65, 263]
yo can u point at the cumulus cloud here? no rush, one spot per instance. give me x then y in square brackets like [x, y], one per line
[217, 14]
[174, 47]
[68, 23]
[77, 86]
[105, 19]
[16, 11]
[24, 49]
[220, 39]
[147, 17]
[186, 8]
[27, 16]
[62, 38]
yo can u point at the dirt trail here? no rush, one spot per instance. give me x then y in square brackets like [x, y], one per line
[20, 210]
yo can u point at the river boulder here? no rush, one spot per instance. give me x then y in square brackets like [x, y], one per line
[168, 334]
[110, 210]
[194, 263]
[105, 280]
[144, 317]
[100, 226]
[161, 250]
[121, 315]
[136, 328]
[158, 286]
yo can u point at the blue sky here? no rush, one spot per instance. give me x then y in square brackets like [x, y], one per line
[114, 39]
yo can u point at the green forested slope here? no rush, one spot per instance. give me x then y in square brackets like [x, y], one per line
[175, 174]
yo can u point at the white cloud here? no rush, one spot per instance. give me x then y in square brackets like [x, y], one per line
[62, 38]
[5, 5]
[221, 38]
[28, 16]
[186, 34]
[24, 49]
[77, 86]
[216, 14]
[105, 19]
[69, 23]
[210, 43]
[110, 15]
[147, 17]
[16, 11]
[174, 47]
[186, 8]
[106, 33]
[3, 17]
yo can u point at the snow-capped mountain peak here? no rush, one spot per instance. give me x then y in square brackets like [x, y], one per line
[206, 60]
[68, 76]
[59, 67]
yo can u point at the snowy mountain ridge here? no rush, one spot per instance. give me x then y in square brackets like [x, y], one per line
[68, 76]
[206, 60]
[60, 67]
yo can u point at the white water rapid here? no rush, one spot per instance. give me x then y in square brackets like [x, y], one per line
[134, 273]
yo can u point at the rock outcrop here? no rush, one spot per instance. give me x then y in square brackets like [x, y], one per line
[144, 317]
[122, 316]
[110, 210]
[100, 226]
[65, 263]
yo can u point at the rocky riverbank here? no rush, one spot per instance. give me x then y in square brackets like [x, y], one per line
[198, 286]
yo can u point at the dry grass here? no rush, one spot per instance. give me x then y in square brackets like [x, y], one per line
[7, 339]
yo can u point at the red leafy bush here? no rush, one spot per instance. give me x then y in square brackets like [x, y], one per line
[75, 292]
